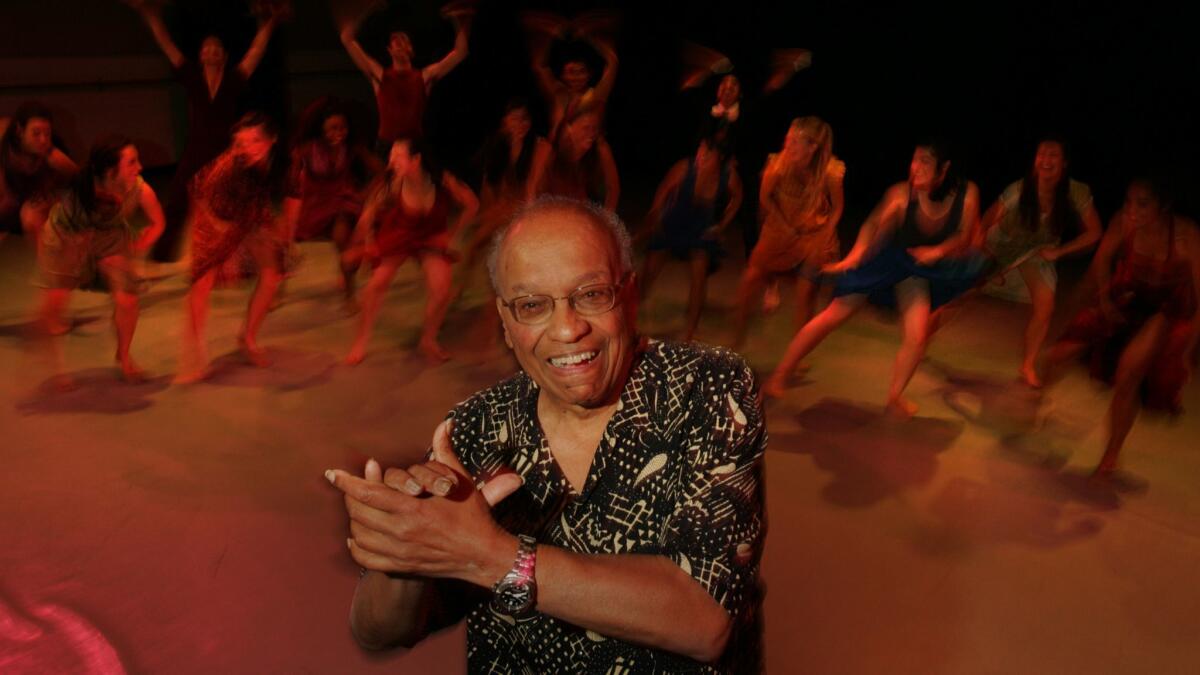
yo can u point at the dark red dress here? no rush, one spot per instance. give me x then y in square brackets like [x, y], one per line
[1142, 287]
[403, 233]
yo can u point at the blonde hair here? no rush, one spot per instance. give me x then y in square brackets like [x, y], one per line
[812, 177]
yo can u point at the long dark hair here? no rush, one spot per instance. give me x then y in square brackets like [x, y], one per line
[498, 151]
[29, 110]
[104, 156]
[1063, 215]
[944, 153]
[311, 128]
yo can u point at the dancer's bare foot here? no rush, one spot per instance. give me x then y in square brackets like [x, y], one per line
[356, 355]
[432, 351]
[771, 297]
[64, 383]
[130, 372]
[254, 354]
[774, 387]
[193, 375]
[1030, 377]
[56, 327]
[900, 408]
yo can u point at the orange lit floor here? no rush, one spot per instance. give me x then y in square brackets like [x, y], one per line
[187, 529]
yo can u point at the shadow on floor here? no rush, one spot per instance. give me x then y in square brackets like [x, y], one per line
[869, 456]
[290, 370]
[95, 390]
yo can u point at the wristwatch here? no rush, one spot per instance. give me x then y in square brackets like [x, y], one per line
[516, 593]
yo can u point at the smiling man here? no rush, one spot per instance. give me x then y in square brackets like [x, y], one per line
[631, 541]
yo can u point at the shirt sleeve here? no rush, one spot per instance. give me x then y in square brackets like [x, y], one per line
[717, 531]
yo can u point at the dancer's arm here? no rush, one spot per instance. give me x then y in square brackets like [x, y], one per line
[766, 189]
[537, 167]
[152, 15]
[258, 46]
[882, 220]
[834, 185]
[1091, 234]
[436, 71]
[369, 66]
[1102, 263]
[612, 182]
[148, 202]
[609, 77]
[467, 201]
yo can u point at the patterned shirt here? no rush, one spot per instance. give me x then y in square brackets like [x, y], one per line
[677, 474]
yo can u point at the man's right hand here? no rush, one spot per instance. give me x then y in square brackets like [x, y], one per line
[442, 472]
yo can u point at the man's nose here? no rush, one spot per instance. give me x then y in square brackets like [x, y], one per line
[566, 325]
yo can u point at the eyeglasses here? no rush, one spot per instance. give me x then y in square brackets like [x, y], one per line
[588, 300]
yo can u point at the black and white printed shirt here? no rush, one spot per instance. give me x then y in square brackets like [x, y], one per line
[678, 473]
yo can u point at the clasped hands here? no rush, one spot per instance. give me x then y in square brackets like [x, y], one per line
[428, 520]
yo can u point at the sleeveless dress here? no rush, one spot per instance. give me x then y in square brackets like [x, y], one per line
[948, 278]
[240, 232]
[1142, 287]
[687, 218]
[325, 183]
[805, 236]
[75, 242]
[403, 233]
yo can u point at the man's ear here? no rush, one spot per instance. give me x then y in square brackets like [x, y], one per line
[503, 324]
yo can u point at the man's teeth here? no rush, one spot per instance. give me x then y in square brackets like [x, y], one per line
[573, 359]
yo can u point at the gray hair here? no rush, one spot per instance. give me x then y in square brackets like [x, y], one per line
[594, 212]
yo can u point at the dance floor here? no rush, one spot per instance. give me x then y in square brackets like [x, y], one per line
[153, 528]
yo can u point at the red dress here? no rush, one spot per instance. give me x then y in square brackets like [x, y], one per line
[327, 189]
[1143, 287]
[403, 232]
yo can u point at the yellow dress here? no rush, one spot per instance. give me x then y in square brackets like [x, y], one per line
[806, 235]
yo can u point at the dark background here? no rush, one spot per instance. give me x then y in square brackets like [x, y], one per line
[1117, 80]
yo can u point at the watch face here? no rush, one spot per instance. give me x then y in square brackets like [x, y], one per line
[513, 596]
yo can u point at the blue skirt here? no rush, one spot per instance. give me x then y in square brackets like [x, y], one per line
[877, 278]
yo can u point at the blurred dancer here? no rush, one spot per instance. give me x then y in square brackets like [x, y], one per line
[1141, 335]
[32, 169]
[1024, 230]
[911, 251]
[509, 158]
[581, 164]
[213, 87]
[90, 232]
[401, 89]
[801, 201]
[685, 209]
[236, 234]
[570, 89]
[331, 166]
[407, 216]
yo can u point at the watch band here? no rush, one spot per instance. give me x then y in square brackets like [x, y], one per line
[516, 593]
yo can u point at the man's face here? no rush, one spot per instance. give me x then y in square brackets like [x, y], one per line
[578, 361]
[575, 75]
[400, 47]
[212, 52]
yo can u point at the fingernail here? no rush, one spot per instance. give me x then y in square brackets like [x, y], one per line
[349, 543]
[412, 487]
[330, 475]
[442, 486]
[372, 464]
